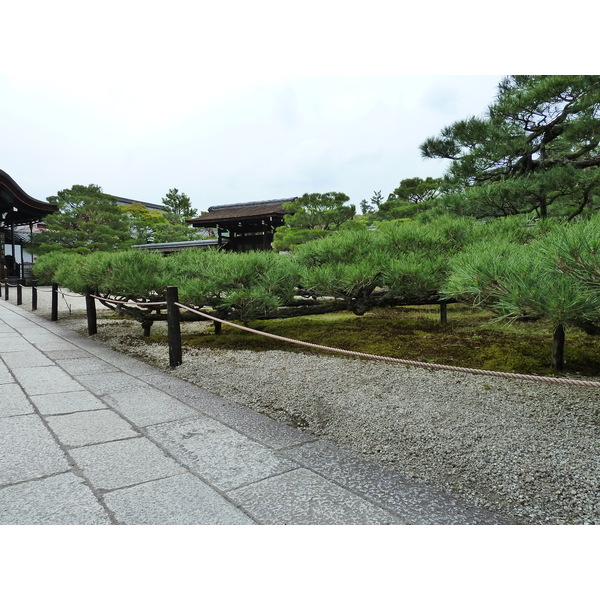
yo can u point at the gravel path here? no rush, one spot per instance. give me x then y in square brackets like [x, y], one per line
[526, 450]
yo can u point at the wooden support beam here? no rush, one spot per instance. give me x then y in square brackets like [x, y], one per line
[173, 327]
[54, 311]
[92, 321]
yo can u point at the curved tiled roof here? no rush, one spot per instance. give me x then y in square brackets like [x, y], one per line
[17, 207]
[248, 210]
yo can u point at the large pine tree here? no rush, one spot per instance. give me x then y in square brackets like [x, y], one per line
[534, 150]
[87, 219]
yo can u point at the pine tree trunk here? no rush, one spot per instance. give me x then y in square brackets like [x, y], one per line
[558, 348]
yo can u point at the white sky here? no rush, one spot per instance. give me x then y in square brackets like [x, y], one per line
[239, 101]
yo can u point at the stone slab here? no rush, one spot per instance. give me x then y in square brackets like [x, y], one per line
[13, 343]
[27, 357]
[5, 375]
[220, 455]
[107, 383]
[414, 502]
[90, 427]
[66, 402]
[125, 363]
[179, 500]
[27, 450]
[75, 352]
[13, 401]
[57, 500]
[252, 424]
[50, 342]
[85, 366]
[45, 380]
[301, 497]
[125, 462]
[148, 406]
[133, 366]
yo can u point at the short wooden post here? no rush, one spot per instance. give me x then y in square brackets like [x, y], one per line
[173, 327]
[444, 313]
[33, 296]
[90, 307]
[19, 292]
[218, 327]
[6, 290]
[54, 311]
[558, 348]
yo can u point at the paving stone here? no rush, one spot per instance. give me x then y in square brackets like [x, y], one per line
[66, 402]
[13, 343]
[179, 500]
[90, 427]
[107, 383]
[131, 365]
[13, 401]
[5, 376]
[148, 406]
[51, 342]
[27, 450]
[301, 497]
[256, 426]
[61, 499]
[127, 364]
[126, 462]
[220, 455]
[414, 502]
[75, 352]
[28, 357]
[85, 366]
[45, 380]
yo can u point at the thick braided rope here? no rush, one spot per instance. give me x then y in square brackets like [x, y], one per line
[129, 302]
[412, 363]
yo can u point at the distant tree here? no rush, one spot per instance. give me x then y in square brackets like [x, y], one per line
[409, 199]
[320, 211]
[417, 190]
[180, 204]
[87, 220]
[312, 216]
[373, 204]
[535, 150]
[153, 226]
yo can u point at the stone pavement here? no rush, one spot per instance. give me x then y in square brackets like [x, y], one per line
[91, 436]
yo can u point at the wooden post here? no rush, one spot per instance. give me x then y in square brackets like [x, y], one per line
[54, 312]
[173, 327]
[6, 290]
[146, 327]
[558, 348]
[90, 307]
[33, 296]
[19, 292]
[218, 327]
[444, 313]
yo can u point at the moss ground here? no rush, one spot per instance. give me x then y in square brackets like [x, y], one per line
[470, 339]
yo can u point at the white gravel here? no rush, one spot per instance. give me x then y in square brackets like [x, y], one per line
[528, 451]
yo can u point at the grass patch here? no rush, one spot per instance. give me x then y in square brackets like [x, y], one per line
[470, 339]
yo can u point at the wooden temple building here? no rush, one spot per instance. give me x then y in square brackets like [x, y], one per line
[244, 227]
[16, 210]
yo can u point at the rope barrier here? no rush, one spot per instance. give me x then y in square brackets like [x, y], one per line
[412, 363]
[129, 302]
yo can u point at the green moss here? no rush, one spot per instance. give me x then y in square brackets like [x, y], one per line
[470, 339]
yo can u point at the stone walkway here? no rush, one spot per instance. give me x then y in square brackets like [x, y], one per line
[91, 436]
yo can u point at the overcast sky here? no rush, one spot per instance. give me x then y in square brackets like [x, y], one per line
[232, 101]
[138, 138]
